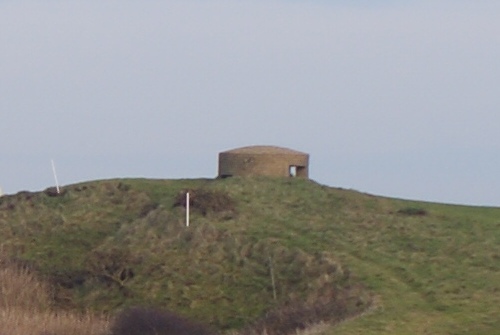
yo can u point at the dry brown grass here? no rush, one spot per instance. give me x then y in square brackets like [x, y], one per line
[26, 307]
[20, 289]
[15, 321]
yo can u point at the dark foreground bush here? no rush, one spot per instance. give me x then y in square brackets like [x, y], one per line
[148, 321]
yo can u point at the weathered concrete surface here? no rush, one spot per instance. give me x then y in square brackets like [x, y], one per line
[263, 161]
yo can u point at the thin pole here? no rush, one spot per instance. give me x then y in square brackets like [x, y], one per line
[271, 271]
[187, 209]
[55, 176]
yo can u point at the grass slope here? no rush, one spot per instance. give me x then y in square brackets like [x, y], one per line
[434, 269]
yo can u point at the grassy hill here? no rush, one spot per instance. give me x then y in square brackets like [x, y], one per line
[261, 245]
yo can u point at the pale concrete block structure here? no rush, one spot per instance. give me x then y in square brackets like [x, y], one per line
[263, 161]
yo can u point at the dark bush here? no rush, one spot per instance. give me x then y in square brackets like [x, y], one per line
[299, 315]
[148, 207]
[206, 201]
[69, 279]
[149, 321]
[413, 211]
[52, 192]
[80, 188]
[113, 267]
[123, 187]
[25, 195]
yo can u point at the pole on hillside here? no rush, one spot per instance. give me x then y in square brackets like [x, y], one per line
[55, 176]
[187, 209]
[271, 272]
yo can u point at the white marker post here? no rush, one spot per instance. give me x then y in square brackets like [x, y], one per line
[187, 209]
[55, 176]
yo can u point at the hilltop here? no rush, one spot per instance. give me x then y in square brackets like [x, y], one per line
[258, 245]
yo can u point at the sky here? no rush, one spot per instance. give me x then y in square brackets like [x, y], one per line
[391, 98]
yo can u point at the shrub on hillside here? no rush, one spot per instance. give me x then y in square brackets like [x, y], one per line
[148, 321]
[55, 192]
[113, 266]
[298, 315]
[413, 211]
[207, 201]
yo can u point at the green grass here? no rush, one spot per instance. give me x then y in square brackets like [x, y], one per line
[433, 268]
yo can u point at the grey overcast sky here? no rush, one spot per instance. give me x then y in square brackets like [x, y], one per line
[393, 98]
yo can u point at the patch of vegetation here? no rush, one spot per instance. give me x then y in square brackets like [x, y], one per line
[55, 192]
[207, 201]
[412, 211]
[27, 307]
[331, 307]
[274, 254]
[151, 321]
